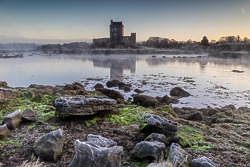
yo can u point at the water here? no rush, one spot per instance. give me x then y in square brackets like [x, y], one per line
[210, 80]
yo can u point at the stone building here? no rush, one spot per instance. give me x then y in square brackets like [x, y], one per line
[117, 35]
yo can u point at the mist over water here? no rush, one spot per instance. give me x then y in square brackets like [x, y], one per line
[210, 80]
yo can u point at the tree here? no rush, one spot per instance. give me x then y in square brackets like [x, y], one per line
[204, 41]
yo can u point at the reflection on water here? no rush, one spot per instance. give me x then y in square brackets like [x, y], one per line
[116, 66]
[210, 80]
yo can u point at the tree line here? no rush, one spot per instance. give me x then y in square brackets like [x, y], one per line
[159, 42]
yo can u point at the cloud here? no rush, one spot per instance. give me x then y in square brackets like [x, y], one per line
[243, 10]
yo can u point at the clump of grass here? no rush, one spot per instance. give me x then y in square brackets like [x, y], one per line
[53, 127]
[202, 146]
[139, 164]
[33, 164]
[129, 115]
[31, 127]
[189, 135]
[167, 109]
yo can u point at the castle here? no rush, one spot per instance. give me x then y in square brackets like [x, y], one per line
[117, 35]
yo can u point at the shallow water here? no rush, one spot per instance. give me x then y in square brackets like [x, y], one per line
[210, 80]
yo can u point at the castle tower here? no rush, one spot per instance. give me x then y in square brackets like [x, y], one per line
[116, 31]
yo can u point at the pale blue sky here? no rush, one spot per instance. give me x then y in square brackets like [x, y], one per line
[57, 21]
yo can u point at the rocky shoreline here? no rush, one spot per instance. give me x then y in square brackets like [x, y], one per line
[145, 131]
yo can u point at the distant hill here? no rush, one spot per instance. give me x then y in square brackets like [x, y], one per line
[18, 46]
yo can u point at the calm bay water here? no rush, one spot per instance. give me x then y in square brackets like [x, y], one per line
[210, 80]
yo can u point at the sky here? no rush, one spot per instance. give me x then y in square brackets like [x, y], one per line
[60, 21]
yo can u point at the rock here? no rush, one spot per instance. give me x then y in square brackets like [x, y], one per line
[74, 86]
[80, 105]
[245, 109]
[155, 124]
[100, 141]
[12, 120]
[91, 155]
[138, 91]
[6, 94]
[122, 85]
[227, 107]
[145, 101]
[98, 86]
[3, 84]
[49, 147]
[144, 82]
[151, 150]
[179, 92]
[165, 164]
[112, 83]
[39, 98]
[111, 93]
[28, 115]
[165, 100]
[157, 137]
[74, 89]
[211, 111]
[4, 131]
[178, 156]
[18, 94]
[174, 100]
[151, 103]
[202, 162]
[196, 116]
[237, 71]
[127, 89]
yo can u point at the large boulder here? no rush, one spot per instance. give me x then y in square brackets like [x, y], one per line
[227, 107]
[145, 101]
[74, 89]
[179, 92]
[147, 149]
[6, 94]
[98, 86]
[100, 141]
[12, 120]
[155, 124]
[111, 93]
[165, 100]
[4, 131]
[196, 116]
[80, 105]
[97, 152]
[202, 162]
[178, 156]
[245, 109]
[49, 147]
[112, 83]
[3, 84]
[28, 115]
[157, 137]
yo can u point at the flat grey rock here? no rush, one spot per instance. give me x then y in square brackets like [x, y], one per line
[179, 156]
[149, 149]
[28, 115]
[100, 141]
[91, 155]
[12, 120]
[156, 124]
[49, 147]
[81, 105]
[203, 162]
